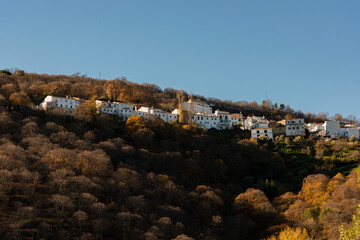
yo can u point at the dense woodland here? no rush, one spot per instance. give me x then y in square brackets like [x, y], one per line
[96, 177]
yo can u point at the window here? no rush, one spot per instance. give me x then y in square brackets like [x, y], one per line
[289, 128]
[266, 135]
[257, 131]
[265, 131]
[297, 127]
[293, 127]
[60, 105]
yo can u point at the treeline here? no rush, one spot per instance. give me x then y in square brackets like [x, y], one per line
[20, 88]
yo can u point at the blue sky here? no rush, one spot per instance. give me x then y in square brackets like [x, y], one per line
[303, 53]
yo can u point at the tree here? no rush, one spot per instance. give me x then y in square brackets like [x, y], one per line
[134, 123]
[20, 72]
[61, 203]
[337, 117]
[5, 71]
[93, 163]
[314, 189]
[282, 107]
[289, 116]
[352, 233]
[19, 99]
[88, 107]
[292, 234]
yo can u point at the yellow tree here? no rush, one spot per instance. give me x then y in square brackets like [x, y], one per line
[292, 234]
[134, 123]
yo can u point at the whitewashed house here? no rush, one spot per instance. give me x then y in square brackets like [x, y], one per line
[314, 127]
[218, 120]
[332, 129]
[236, 119]
[256, 122]
[124, 110]
[68, 105]
[262, 132]
[294, 127]
[173, 117]
[349, 132]
[166, 117]
[106, 107]
[153, 111]
[224, 119]
[196, 106]
[206, 120]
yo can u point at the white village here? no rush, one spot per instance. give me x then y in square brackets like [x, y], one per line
[201, 114]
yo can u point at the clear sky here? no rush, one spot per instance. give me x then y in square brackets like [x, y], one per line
[303, 53]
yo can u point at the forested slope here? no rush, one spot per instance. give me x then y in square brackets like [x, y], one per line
[65, 177]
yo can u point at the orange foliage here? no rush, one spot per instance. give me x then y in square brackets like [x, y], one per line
[314, 189]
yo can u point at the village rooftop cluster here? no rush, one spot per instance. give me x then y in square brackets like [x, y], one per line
[201, 114]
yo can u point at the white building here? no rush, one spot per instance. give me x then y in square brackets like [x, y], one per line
[236, 119]
[196, 106]
[294, 127]
[332, 129]
[256, 122]
[124, 110]
[206, 120]
[166, 117]
[106, 107]
[218, 120]
[315, 127]
[262, 132]
[66, 104]
[224, 119]
[349, 132]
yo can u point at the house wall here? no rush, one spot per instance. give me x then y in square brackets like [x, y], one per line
[332, 128]
[67, 104]
[262, 132]
[196, 106]
[294, 127]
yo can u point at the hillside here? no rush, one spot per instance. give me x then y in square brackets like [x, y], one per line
[64, 177]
